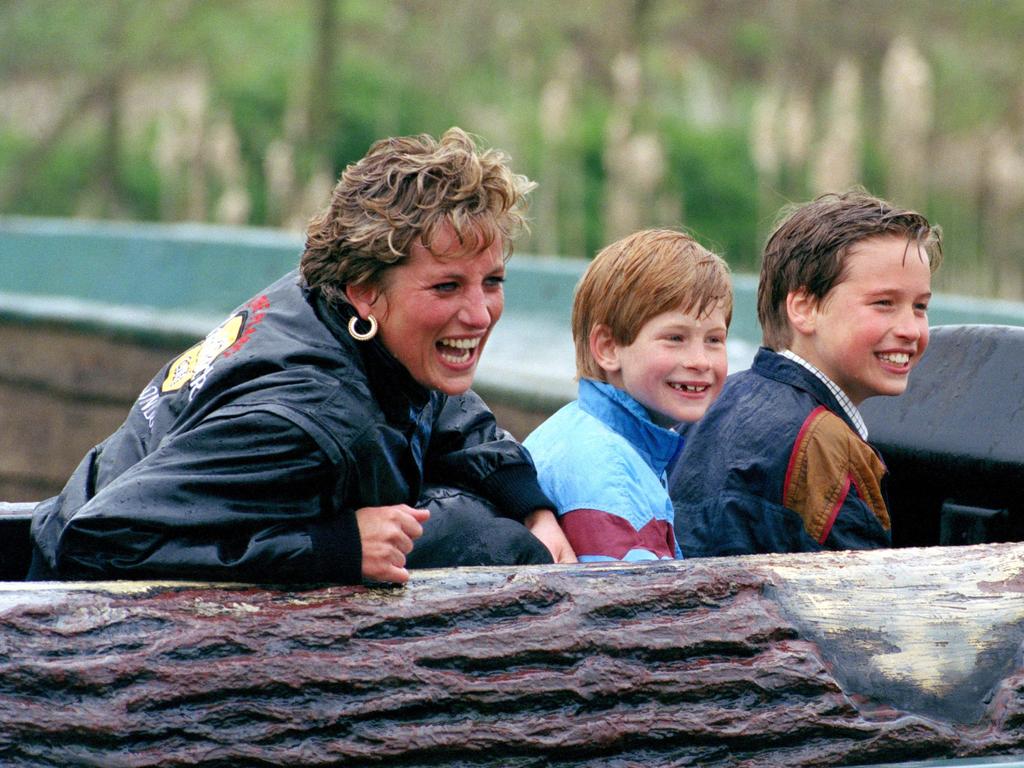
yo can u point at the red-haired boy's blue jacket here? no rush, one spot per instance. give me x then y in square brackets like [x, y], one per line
[603, 461]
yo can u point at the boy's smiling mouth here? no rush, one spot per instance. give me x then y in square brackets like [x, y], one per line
[894, 358]
[691, 388]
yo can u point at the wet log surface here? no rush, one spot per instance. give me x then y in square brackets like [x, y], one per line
[800, 660]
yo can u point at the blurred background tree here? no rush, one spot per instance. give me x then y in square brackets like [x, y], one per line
[629, 113]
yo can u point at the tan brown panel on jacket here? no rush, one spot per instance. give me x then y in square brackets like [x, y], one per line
[828, 456]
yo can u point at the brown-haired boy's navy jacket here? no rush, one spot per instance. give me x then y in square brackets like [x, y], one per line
[775, 465]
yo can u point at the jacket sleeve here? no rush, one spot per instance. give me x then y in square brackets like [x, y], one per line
[468, 449]
[735, 521]
[856, 526]
[239, 497]
[834, 482]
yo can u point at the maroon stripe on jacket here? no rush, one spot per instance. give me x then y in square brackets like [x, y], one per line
[593, 532]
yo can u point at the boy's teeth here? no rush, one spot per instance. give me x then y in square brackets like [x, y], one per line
[897, 358]
[689, 387]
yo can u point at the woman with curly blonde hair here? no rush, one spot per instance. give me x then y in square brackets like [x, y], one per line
[325, 432]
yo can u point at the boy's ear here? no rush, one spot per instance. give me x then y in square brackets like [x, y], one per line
[802, 311]
[362, 297]
[603, 348]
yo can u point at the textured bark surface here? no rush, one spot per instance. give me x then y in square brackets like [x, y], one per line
[809, 660]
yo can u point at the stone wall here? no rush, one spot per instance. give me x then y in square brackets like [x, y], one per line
[62, 390]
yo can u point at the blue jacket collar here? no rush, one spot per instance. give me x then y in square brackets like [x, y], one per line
[619, 411]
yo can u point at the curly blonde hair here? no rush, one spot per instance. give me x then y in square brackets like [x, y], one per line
[407, 188]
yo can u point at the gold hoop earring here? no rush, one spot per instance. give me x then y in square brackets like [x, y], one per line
[364, 336]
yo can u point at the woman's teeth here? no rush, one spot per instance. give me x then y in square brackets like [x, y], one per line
[457, 350]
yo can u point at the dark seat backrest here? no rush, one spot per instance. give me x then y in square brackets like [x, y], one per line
[15, 545]
[954, 441]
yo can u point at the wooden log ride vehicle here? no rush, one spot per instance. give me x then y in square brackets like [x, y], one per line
[849, 658]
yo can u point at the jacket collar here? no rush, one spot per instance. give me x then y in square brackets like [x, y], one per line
[393, 386]
[841, 397]
[772, 365]
[620, 412]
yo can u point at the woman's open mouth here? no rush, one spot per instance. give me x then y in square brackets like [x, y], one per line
[458, 351]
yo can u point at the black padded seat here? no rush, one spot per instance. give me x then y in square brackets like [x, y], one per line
[954, 441]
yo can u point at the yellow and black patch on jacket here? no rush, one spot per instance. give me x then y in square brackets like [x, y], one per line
[199, 357]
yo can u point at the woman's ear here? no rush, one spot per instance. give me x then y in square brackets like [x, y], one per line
[363, 297]
[802, 311]
[603, 348]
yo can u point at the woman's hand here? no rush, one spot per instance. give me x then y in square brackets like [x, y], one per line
[387, 534]
[543, 525]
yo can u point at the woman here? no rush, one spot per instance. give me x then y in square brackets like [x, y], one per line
[311, 436]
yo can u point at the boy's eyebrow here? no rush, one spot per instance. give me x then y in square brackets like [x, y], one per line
[884, 289]
[689, 325]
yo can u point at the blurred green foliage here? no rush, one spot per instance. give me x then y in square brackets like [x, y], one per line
[55, 187]
[715, 172]
[328, 77]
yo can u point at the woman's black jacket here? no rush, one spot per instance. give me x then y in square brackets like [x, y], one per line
[246, 457]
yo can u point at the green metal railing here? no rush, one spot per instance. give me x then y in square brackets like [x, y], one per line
[178, 280]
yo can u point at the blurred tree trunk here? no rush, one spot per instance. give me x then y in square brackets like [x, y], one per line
[561, 220]
[1003, 214]
[107, 188]
[322, 115]
[634, 156]
[907, 118]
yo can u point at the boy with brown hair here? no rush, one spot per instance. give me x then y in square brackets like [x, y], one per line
[780, 462]
[649, 322]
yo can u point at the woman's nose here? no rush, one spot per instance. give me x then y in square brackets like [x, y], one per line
[475, 311]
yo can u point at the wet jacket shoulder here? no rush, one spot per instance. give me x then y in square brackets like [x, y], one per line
[775, 466]
[248, 454]
[603, 462]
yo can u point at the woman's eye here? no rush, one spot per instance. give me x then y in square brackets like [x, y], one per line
[495, 282]
[446, 287]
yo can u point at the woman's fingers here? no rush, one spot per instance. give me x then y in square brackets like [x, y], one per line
[387, 535]
[412, 523]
